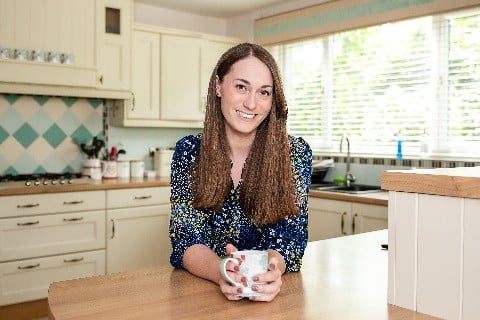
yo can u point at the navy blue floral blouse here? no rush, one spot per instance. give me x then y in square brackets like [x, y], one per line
[189, 226]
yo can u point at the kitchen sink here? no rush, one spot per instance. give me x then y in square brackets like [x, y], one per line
[354, 188]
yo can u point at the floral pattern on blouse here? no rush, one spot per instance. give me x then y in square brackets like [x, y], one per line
[189, 226]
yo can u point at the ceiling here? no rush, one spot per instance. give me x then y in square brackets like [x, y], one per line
[213, 8]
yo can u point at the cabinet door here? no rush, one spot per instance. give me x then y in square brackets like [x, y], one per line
[26, 280]
[367, 218]
[328, 219]
[137, 237]
[114, 23]
[145, 76]
[180, 81]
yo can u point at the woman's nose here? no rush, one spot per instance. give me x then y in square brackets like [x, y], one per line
[249, 101]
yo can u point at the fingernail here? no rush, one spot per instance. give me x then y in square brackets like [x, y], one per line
[271, 266]
[239, 290]
[256, 278]
[254, 288]
[236, 268]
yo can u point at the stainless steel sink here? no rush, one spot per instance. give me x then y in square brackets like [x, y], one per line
[354, 188]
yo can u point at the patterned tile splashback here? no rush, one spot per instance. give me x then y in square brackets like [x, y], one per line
[41, 133]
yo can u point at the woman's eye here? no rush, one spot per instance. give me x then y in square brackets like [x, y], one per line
[241, 87]
[265, 93]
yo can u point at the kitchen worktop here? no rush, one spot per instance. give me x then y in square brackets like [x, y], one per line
[378, 198]
[463, 182]
[341, 278]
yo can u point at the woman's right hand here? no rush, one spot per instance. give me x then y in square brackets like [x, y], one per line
[230, 291]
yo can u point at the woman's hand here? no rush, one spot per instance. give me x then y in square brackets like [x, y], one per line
[272, 278]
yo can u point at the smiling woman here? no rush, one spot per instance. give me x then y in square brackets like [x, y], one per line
[243, 182]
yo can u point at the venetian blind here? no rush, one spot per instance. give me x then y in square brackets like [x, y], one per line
[418, 79]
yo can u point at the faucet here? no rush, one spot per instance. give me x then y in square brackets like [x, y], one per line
[349, 177]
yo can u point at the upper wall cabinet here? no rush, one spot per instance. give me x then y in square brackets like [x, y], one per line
[114, 24]
[53, 47]
[170, 74]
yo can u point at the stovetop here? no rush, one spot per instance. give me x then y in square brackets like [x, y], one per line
[42, 180]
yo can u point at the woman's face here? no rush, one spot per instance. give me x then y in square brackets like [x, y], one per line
[246, 96]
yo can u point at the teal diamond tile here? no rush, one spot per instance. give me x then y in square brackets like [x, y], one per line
[95, 103]
[10, 170]
[40, 122]
[39, 170]
[41, 100]
[82, 135]
[68, 122]
[11, 121]
[54, 135]
[25, 135]
[69, 101]
[3, 135]
[11, 98]
[68, 169]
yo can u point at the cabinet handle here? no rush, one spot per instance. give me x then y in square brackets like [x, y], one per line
[113, 229]
[143, 197]
[27, 223]
[101, 79]
[73, 202]
[133, 102]
[353, 222]
[73, 260]
[342, 223]
[29, 266]
[28, 205]
[72, 219]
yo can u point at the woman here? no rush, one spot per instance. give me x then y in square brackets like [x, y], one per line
[243, 182]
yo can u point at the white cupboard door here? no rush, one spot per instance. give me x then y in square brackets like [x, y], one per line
[27, 280]
[367, 218]
[328, 219]
[42, 235]
[180, 80]
[114, 23]
[145, 77]
[138, 237]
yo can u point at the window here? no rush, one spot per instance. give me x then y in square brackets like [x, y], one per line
[417, 78]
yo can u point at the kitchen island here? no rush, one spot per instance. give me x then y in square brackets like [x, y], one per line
[342, 278]
[434, 240]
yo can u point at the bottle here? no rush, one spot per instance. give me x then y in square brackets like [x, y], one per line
[399, 144]
[424, 148]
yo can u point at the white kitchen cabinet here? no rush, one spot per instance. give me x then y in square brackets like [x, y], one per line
[113, 45]
[332, 218]
[170, 74]
[49, 237]
[56, 26]
[137, 222]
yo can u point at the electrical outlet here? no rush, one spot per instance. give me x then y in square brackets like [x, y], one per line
[151, 151]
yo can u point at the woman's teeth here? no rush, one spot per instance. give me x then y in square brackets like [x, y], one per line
[246, 115]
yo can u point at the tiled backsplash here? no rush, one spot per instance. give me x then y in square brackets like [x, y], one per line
[40, 133]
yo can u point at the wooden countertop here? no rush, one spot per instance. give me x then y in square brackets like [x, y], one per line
[461, 182]
[106, 184]
[341, 278]
[376, 198]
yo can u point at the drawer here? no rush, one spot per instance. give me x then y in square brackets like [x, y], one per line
[27, 205]
[138, 197]
[27, 280]
[42, 235]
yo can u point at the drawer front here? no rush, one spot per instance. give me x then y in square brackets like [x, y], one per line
[42, 235]
[138, 197]
[28, 280]
[26, 205]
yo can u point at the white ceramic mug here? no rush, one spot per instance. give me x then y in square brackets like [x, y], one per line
[109, 169]
[137, 169]
[123, 169]
[250, 263]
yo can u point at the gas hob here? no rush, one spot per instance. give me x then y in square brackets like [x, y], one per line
[42, 180]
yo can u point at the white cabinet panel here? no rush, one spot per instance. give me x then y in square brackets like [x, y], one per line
[471, 260]
[137, 197]
[29, 279]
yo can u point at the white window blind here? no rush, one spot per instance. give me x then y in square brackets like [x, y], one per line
[409, 77]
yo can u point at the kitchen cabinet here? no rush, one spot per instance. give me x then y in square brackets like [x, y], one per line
[114, 25]
[333, 218]
[170, 74]
[137, 222]
[55, 26]
[49, 237]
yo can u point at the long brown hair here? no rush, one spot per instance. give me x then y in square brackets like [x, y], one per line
[267, 189]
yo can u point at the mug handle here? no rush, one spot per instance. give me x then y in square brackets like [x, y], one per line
[224, 273]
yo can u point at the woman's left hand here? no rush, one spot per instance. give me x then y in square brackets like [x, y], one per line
[272, 279]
